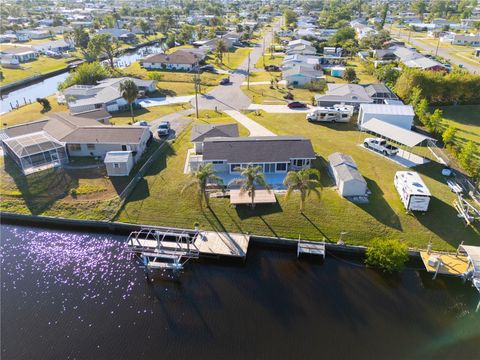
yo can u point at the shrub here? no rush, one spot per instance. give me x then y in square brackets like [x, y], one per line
[45, 104]
[387, 254]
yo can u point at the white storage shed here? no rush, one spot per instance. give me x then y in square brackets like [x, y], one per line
[398, 115]
[413, 192]
[118, 163]
[349, 181]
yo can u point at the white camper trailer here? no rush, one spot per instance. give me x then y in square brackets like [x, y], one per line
[413, 192]
[337, 113]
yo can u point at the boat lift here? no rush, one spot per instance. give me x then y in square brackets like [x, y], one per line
[163, 249]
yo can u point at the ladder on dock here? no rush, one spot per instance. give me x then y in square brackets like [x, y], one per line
[163, 249]
[311, 248]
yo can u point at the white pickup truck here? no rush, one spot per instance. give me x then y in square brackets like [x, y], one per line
[381, 146]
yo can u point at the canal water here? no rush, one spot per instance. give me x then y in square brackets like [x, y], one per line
[71, 295]
[49, 86]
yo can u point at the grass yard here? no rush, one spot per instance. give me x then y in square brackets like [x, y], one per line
[466, 119]
[363, 76]
[147, 114]
[265, 76]
[159, 199]
[30, 112]
[266, 60]
[260, 94]
[231, 59]
[84, 194]
[42, 65]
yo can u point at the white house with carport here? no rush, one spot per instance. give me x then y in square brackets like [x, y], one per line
[350, 183]
[118, 163]
[398, 115]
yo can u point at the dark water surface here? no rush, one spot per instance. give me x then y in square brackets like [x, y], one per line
[67, 295]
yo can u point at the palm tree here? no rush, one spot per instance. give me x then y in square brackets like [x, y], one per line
[200, 179]
[306, 181]
[252, 179]
[220, 49]
[129, 91]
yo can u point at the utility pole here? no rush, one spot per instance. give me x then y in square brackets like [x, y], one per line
[438, 44]
[195, 80]
[248, 72]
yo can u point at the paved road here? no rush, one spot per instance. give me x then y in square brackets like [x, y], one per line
[445, 53]
[255, 128]
[168, 100]
[230, 96]
[280, 109]
[178, 121]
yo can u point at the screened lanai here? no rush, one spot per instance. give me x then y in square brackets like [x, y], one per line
[35, 152]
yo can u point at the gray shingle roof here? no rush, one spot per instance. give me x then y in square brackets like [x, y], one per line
[257, 149]
[203, 131]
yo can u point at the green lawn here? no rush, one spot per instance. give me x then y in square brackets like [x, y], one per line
[231, 59]
[42, 65]
[466, 119]
[159, 201]
[267, 59]
[260, 94]
[147, 114]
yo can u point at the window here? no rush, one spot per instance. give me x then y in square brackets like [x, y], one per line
[299, 162]
[74, 147]
[234, 167]
[269, 168]
[91, 146]
[281, 167]
[116, 165]
[216, 162]
[124, 147]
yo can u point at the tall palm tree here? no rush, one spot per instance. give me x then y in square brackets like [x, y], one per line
[252, 179]
[200, 179]
[129, 91]
[220, 49]
[306, 181]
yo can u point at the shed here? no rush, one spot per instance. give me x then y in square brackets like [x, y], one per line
[398, 115]
[118, 163]
[349, 181]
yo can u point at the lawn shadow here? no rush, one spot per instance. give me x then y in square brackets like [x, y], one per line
[246, 211]
[317, 228]
[42, 189]
[321, 164]
[379, 208]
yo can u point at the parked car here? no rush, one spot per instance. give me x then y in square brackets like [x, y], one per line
[381, 146]
[207, 68]
[272, 68]
[225, 81]
[297, 105]
[163, 129]
[141, 123]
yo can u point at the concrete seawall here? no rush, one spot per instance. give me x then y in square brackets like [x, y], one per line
[112, 227]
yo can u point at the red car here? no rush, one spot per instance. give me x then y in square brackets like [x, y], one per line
[297, 105]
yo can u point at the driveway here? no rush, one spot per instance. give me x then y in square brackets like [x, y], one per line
[255, 128]
[178, 122]
[166, 100]
[280, 109]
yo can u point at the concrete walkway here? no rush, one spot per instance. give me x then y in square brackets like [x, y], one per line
[168, 100]
[255, 128]
[280, 109]
[281, 82]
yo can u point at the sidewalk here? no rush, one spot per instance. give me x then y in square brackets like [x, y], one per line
[168, 100]
[255, 128]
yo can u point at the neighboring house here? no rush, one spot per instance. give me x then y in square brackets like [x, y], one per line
[81, 24]
[470, 39]
[178, 60]
[301, 50]
[118, 163]
[50, 142]
[398, 115]
[120, 34]
[291, 61]
[20, 54]
[231, 39]
[105, 95]
[7, 38]
[58, 46]
[302, 75]
[347, 94]
[425, 63]
[349, 181]
[379, 93]
[38, 34]
[202, 131]
[405, 54]
[384, 54]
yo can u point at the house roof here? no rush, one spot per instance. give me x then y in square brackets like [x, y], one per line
[33, 143]
[373, 89]
[301, 69]
[423, 63]
[406, 54]
[18, 50]
[338, 158]
[177, 57]
[345, 92]
[97, 114]
[203, 131]
[68, 128]
[257, 149]
[345, 167]
[52, 45]
[406, 110]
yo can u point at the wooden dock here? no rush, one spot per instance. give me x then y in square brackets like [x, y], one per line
[311, 248]
[208, 243]
[450, 264]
